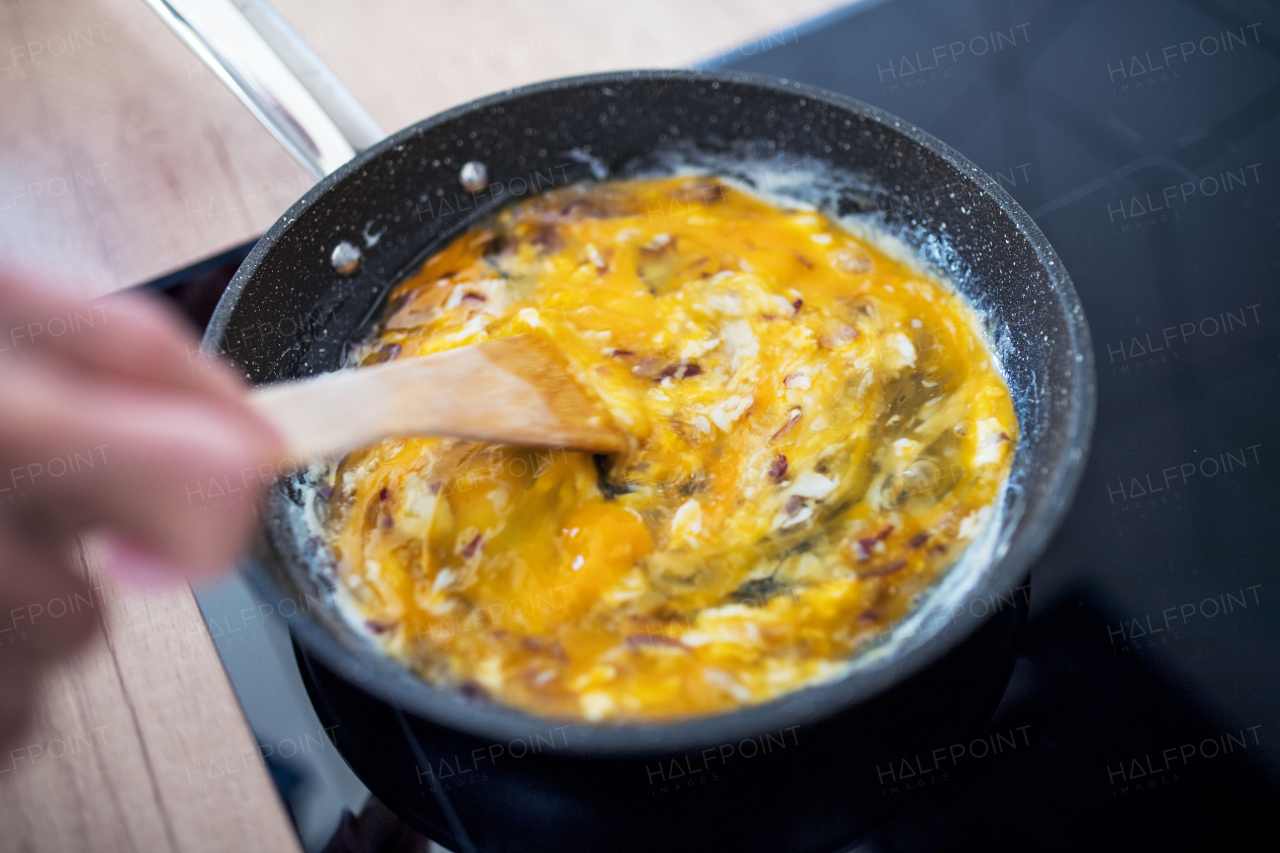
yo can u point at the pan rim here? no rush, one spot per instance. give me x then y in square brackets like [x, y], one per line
[391, 682]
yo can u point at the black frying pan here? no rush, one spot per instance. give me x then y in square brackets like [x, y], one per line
[816, 777]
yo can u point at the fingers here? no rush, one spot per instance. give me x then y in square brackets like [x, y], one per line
[177, 475]
[119, 393]
[25, 301]
[109, 419]
[146, 344]
[141, 338]
[132, 336]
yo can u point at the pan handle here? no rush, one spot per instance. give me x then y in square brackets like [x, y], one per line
[293, 93]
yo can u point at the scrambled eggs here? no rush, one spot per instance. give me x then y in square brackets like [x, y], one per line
[818, 431]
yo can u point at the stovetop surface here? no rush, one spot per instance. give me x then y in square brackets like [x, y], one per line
[1143, 138]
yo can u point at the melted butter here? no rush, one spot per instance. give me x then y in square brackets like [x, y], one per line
[819, 431]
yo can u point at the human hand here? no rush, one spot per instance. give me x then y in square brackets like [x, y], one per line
[108, 424]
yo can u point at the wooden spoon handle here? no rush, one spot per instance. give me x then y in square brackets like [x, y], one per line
[509, 390]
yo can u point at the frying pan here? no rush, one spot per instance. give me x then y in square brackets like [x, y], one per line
[809, 771]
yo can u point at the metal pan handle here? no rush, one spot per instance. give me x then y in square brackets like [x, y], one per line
[294, 94]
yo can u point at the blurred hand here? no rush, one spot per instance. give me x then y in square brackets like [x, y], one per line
[109, 423]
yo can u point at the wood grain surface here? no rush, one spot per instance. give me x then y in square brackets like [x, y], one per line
[122, 158]
[139, 743]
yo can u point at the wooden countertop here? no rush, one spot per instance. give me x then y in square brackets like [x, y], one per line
[139, 744]
[121, 159]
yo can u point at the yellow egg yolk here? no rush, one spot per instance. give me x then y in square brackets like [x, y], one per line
[818, 431]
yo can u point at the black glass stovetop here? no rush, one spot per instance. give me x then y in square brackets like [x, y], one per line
[1144, 138]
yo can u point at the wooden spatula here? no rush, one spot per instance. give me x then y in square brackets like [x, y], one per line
[512, 390]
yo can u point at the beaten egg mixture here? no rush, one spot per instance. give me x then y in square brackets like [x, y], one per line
[817, 430]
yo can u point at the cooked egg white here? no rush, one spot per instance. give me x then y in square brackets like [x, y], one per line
[818, 432]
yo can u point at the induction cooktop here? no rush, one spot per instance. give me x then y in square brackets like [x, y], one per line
[1144, 139]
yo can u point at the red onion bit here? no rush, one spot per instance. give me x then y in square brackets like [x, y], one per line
[778, 467]
[678, 371]
[868, 543]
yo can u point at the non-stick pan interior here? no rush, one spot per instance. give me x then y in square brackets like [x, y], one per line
[289, 313]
